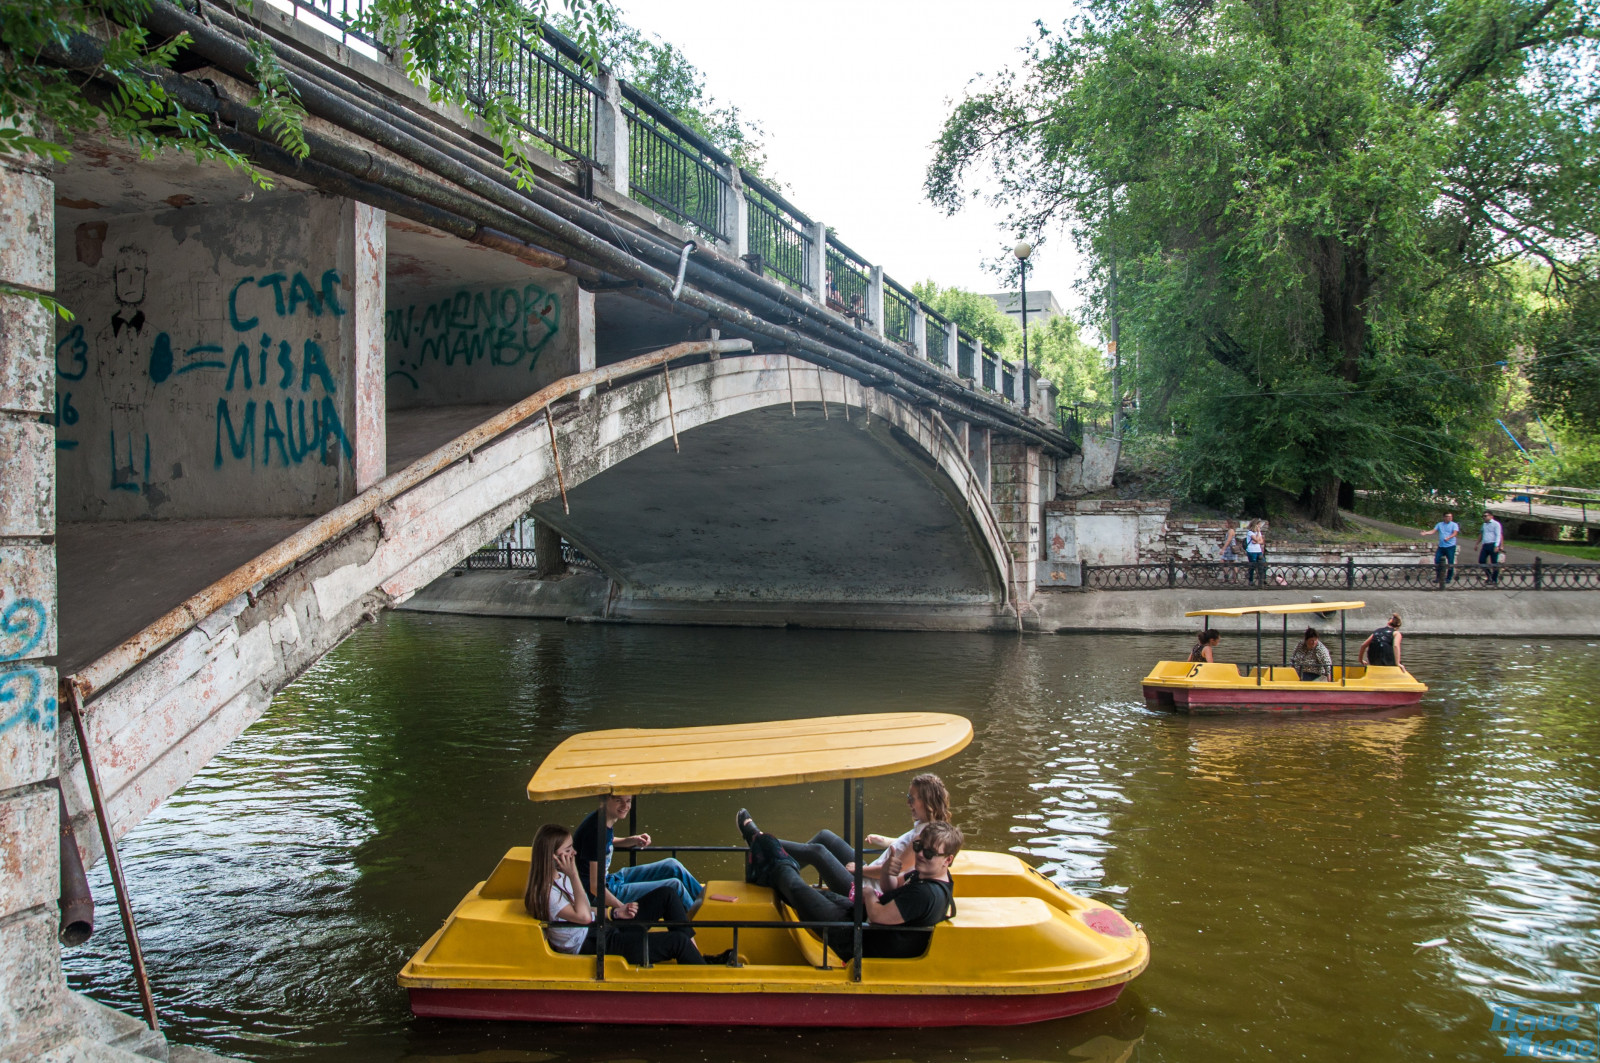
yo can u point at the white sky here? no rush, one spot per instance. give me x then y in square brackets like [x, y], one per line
[851, 97]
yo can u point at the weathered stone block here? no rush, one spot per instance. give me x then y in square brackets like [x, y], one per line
[29, 850]
[1012, 493]
[33, 991]
[27, 230]
[27, 599]
[27, 723]
[27, 370]
[28, 463]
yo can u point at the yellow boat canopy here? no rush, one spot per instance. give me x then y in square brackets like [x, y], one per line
[1275, 610]
[686, 759]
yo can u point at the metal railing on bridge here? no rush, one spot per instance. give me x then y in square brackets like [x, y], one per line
[556, 90]
[1347, 575]
[507, 556]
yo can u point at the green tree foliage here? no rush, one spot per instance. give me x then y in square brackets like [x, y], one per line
[661, 71]
[978, 315]
[1564, 372]
[1078, 370]
[1310, 205]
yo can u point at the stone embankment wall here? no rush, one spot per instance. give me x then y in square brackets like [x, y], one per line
[1133, 532]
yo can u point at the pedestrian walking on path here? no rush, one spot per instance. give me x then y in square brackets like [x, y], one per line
[1490, 539]
[1444, 554]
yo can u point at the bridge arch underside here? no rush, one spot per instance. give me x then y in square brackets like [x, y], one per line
[768, 516]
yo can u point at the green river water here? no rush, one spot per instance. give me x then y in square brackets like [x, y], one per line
[1286, 870]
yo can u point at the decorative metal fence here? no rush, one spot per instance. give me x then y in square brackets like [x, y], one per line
[938, 341]
[848, 279]
[558, 104]
[988, 372]
[1348, 575]
[504, 556]
[670, 169]
[1008, 380]
[777, 234]
[898, 309]
[964, 355]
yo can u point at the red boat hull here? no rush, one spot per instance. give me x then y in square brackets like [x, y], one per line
[1265, 699]
[755, 1009]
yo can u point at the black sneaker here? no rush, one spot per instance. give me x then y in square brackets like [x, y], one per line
[747, 826]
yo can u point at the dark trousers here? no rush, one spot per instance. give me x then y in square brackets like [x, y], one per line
[629, 938]
[1444, 563]
[828, 853]
[1488, 553]
[812, 905]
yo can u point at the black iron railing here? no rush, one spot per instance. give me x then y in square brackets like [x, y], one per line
[1275, 574]
[988, 371]
[778, 234]
[559, 105]
[938, 341]
[340, 18]
[672, 172]
[898, 309]
[848, 280]
[1008, 380]
[964, 356]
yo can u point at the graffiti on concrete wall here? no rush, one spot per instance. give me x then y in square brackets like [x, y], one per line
[25, 697]
[497, 326]
[274, 397]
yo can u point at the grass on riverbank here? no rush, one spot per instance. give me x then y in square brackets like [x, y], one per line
[1545, 546]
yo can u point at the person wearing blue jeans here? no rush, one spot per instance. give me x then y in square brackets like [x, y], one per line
[1444, 554]
[629, 883]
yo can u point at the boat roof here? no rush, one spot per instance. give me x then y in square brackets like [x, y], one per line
[732, 756]
[1306, 607]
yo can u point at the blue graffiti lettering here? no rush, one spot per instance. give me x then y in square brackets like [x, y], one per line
[315, 365]
[275, 282]
[123, 476]
[506, 326]
[66, 414]
[286, 363]
[191, 363]
[25, 705]
[245, 441]
[74, 345]
[330, 288]
[270, 433]
[233, 308]
[241, 357]
[24, 620]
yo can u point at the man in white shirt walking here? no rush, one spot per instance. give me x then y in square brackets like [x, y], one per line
[1490, 539]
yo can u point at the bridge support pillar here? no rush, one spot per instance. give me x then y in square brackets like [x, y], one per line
[367, 376]
[1015, 494]
[33, 993]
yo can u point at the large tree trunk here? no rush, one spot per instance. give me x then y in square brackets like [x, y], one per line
[1345, 284]
[1325, 504]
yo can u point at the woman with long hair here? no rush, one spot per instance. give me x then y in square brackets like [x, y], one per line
[553, 896]
[1205, 649]
[835, 859]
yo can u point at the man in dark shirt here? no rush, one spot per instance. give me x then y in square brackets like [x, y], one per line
[921, 897]
[628, 883]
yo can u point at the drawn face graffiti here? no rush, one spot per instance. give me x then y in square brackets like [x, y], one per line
[128, 276]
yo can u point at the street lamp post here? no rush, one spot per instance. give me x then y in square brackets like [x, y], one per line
[1022, 251]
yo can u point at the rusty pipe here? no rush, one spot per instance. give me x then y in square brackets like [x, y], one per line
[112, 666]
[76, 901]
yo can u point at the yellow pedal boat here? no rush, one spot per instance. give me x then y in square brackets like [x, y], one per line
[1020, 949]
[1205, 687]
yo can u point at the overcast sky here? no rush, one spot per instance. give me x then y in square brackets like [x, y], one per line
[851, 97]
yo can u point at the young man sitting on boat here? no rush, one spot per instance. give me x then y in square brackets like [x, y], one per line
[921, 897]
[629, 883]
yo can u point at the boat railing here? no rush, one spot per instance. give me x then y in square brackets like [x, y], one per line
[1348, 574]
[737, 925]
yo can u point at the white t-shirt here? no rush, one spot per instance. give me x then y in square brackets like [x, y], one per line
[901, 845]
[1492, 532]
[568, 939]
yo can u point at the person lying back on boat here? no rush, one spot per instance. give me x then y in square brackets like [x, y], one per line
[1382, 647]
[835, 859]
[1311, 659]
[553, 897]
[921, 897]
[1205, 649]
[630, 883]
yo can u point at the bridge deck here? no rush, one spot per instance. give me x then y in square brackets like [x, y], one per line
[1577, 516]
[117, 576]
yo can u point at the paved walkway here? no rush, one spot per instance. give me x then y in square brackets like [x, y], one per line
[1467, 551]
[1576, 516]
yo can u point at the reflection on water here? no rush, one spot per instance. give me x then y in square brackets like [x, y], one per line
[1285, 869]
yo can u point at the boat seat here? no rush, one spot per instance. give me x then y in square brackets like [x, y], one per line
[973, 914]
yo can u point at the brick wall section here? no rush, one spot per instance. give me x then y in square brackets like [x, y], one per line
[1014, 492]
[32, 990]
